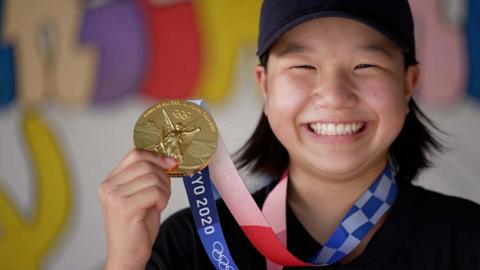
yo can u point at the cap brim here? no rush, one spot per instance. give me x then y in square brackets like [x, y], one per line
[328, 13]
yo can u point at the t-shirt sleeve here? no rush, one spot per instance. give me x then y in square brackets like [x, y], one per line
[454, 229]
[468, 231]
[175, 245]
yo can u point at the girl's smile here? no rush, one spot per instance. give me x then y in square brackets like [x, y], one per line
[337, 132]
[336, 129]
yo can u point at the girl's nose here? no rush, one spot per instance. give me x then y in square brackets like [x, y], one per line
[334, 91]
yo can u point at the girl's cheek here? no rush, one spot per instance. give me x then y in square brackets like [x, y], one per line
[382, 93]
[290, 91]
[389, 107]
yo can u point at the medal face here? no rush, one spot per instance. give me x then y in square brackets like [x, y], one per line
[178, 129]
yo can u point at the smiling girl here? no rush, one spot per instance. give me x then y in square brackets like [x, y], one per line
[337, 78]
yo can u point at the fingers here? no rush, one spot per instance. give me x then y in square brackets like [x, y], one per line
[139, 172]
[151, 179]
[134, 206]
[136, 155]
[137, 169]
[148, 197]
[134, 197]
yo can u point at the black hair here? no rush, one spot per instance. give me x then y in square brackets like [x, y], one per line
[409, 153]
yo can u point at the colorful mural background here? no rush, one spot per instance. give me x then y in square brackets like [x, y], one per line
[74, 75]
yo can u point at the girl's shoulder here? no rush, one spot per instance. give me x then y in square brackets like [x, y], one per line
[435, 227]
[441, 218]
[433, 204]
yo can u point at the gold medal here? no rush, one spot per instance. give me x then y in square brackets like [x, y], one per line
[178, 129]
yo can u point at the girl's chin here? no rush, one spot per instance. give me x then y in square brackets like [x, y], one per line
[342, 167]
[342, 164]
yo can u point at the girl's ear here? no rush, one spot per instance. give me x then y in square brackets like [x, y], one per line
[261, 74]
[412, 77]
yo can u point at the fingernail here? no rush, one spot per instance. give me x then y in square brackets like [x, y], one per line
[171, 161]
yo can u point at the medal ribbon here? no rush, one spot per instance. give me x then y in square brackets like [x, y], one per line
[269, 237]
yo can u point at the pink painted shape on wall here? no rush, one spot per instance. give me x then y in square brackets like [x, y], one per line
[174, 51]
[442, 55]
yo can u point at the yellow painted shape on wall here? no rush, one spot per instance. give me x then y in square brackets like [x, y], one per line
[25, 242]
[49, 59]
[225, 26]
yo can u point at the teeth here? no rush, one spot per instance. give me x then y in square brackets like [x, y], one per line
[324, 129]
[331, 129]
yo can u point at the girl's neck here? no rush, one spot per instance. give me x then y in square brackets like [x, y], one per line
[320, 202]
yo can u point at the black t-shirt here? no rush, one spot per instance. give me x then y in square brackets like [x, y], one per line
[424, 230]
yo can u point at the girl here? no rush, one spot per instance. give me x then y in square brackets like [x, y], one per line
[337, 78]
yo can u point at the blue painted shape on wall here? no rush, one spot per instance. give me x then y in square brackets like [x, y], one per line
[7, 74]
[1, 19]
[473, 41]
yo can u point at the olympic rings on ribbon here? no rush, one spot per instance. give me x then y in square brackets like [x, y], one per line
[217, 254]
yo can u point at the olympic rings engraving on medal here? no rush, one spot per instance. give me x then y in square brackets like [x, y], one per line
[217, 254]
[183, 115]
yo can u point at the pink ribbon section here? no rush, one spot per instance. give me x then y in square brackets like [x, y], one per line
[231, 187]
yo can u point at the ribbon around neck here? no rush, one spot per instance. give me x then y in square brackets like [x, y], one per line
[266, 228]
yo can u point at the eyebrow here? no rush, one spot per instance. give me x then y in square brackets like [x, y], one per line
[375, 48]
[294, 47]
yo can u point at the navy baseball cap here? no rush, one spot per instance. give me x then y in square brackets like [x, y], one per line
[393, 18]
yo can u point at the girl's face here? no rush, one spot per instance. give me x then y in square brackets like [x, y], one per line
[336, 95]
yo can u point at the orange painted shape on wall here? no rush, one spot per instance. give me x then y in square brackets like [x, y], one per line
[226, 27]
[49, 62]
[24, 242]
[174, 56]
[442, 54]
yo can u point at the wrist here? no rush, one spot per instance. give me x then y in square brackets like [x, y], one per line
[109, 266]
[123, 265]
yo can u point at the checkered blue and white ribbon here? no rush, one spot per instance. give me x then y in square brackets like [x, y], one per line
[362, 217]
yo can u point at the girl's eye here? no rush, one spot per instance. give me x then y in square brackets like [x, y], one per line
[304, 67]
[362, 66]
